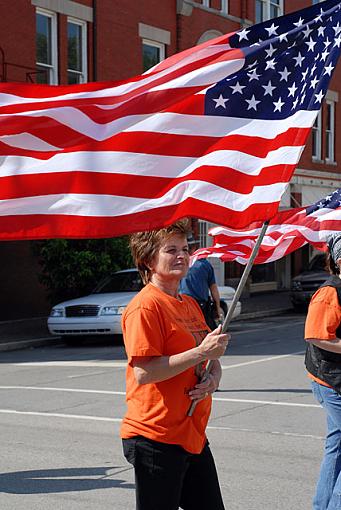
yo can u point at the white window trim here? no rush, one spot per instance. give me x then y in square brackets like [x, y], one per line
[161, 46]
[318, 128]
[224, 6]
[54, 47]
[267, 10]
[331, 158]
[84, 73]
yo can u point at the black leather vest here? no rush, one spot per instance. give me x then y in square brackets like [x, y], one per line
[323, 364]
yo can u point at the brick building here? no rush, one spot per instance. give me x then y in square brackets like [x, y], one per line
[74, 41]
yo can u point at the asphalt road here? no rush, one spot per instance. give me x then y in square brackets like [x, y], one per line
[60, 412]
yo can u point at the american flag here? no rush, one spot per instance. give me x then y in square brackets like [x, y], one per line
[287, 231]
[214, 132]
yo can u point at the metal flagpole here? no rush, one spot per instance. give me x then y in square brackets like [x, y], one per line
[236, 297]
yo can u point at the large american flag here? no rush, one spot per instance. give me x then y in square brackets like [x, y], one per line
[213, 132]
[287, 231]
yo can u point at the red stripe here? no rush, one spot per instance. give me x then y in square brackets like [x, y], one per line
[159, 143]
[59, 226]
[137, 186]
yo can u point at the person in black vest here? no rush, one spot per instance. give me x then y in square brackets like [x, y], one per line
[323, 362]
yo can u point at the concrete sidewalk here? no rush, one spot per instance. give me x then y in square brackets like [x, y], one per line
[32, 332]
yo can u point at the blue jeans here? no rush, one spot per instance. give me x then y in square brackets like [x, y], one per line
[328, 490]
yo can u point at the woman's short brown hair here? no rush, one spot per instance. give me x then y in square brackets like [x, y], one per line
[145, 245]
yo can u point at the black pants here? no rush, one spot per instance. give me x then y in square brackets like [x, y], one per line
[209, 310]
[167, 477]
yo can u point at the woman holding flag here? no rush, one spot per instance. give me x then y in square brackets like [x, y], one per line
[168, 345]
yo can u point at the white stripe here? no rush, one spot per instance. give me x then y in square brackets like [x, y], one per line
[204, 76]
[73, 363]
[132, 163]
[172, 123]
[28, 142]
[262, 360]
[11, 99]
[118, 420]
[122, 393]
[113, 206]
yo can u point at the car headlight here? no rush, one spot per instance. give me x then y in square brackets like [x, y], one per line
[57, 312]
[112, 310]
[296, 286]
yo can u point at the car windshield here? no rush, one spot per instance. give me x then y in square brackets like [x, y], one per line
[318, 263]
[129, 281]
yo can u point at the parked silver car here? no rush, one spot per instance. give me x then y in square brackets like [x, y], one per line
[100, 313]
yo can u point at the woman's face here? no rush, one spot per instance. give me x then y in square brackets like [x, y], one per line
[172, 260]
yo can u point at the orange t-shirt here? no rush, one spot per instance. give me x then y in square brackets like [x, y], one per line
[323, 319]
[156, 324]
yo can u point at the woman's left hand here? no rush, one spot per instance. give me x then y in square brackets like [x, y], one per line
[204, 388]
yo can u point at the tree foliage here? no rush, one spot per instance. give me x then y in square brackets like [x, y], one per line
[71, 268]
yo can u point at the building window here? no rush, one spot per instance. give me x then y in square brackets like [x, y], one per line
[330, 131]
[224, 6]
[77, 52]
[152, 52]
[203, 236]
[46, 47]
[317, 136]
[267, 9]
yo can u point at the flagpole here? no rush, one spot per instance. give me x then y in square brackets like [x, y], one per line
[236, 297]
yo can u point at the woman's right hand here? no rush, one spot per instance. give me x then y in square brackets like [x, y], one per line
[214, 344]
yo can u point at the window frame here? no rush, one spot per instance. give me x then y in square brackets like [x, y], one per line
[84, 42]
[53, 67]
[267, 4]
[317, 129]
[330, 133]
[155, 44]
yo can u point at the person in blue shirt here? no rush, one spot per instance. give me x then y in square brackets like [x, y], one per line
[200, 284]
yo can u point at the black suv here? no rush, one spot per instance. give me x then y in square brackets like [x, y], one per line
[305, 284]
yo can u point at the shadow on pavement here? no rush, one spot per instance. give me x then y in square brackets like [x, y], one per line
[47, 481]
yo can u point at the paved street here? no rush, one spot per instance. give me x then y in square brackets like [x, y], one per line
[60, 412]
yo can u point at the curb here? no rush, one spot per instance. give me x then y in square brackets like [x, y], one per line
[17, 345]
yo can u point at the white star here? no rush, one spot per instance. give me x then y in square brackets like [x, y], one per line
[284, 74]
[299, 23]
[270, 51]
[304, 75]
[253, 75]
[319, 17]
[272, 30]
[278, 105]
[324, 55]
[292, 90]
[307, 32]
[283, 37]
[294, 104]
[328, 70]
[268, 88]
[270, 64]
[220, 101]
[299, 59]
[337, 42]
[313, 83]
[313, 69]
[243, 34]
[319, 97]
[252, 103]
[321, 31]
[327, 42]
[237, 88]
[252, 65]
[302, 99]
[337, 29]
[311, 44]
